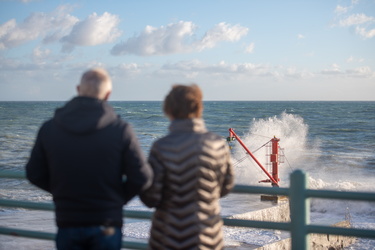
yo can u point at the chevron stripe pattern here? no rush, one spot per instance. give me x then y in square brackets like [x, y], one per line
[192, 171]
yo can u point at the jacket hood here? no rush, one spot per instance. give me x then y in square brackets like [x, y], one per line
[84, 115]
[188, 125]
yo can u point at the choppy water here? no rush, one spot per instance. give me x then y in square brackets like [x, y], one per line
[333, 142]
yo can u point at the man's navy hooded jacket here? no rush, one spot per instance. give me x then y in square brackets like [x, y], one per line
[81, 156]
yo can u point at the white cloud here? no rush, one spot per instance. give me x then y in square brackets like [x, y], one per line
[48, 26]
[362, 72]
[221, 32]
[250, 48]
[6, 29]
[300, 36]
[341, 10]
[364, 33]
[354, 2]
[94, 30]
[334, 70]
[59, 25]
[39, 55]
[174, 38]
[236, 71]
[360, 21]
[12, 65]
[355, 19]
[157, 41]
[353, 59]
[225, 70]
[130, 68]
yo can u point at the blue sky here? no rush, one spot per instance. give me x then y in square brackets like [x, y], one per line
[234, 50]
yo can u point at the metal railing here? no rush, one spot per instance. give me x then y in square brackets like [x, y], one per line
[299, 225]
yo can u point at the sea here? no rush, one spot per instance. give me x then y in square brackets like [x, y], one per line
[332, 142]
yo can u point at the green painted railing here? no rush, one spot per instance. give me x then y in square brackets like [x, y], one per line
[299, 225]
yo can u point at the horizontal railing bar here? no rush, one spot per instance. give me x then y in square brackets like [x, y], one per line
[51, 236]
[27, 233]
[137, 214]
[330, 194]
[12, 174]
[50, 207]
[244, 189]
[364, 233]
[285, 226]
[134, 245]
[27, 204]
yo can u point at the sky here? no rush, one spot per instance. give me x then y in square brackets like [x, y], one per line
[234, 50]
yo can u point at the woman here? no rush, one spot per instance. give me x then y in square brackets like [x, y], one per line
[192, 170]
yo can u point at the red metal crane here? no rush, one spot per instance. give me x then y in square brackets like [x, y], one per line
[274, 157]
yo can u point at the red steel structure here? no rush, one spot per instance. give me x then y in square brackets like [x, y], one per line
[274, 157]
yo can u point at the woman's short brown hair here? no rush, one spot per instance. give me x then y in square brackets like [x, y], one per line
[184, 102]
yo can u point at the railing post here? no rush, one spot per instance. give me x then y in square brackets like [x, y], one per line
[299, 211]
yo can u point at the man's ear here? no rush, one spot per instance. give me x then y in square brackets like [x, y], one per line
[77, 89]
[106, 97]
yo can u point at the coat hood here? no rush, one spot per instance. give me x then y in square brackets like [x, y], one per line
[83, 115]
[188, 125]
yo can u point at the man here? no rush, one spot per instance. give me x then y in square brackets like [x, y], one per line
[81, 156]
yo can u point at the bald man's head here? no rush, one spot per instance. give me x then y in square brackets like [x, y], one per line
[95, 83]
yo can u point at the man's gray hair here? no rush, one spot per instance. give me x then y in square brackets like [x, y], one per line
[95, 83]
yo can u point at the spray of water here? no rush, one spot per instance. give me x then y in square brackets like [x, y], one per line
[300, 153]
[292, 132]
